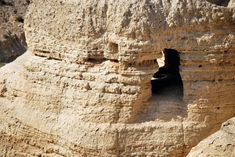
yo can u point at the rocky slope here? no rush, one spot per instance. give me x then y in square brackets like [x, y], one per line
[83, 88]
[12, 38]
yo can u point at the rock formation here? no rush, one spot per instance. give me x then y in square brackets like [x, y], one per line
[83, 88]
[220, 144]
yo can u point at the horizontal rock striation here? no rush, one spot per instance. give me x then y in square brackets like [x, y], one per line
[83, 88]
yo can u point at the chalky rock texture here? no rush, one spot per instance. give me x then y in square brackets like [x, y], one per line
[220, 144]
[83, 87]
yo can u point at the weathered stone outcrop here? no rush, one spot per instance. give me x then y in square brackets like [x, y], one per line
[83, 88]
[220, 144]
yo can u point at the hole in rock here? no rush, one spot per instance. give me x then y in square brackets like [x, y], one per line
[96, 60]
[4, 2]
[219, 2]
[167, 81]
[166, 102]
[114, 60]
[113, 47]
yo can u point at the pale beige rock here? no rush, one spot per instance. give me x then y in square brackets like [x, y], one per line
[231, 3]
[220, 144]
[83, 87]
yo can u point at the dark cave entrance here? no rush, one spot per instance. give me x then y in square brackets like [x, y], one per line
[167, 82]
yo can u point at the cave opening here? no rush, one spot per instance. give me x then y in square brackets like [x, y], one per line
[167, 82]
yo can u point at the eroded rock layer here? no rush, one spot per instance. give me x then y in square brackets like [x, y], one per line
[83, 87]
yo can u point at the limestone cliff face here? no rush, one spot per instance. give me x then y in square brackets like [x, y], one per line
[83, 87]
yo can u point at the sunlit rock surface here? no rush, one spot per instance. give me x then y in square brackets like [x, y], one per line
[83, 87]
[220, 144]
